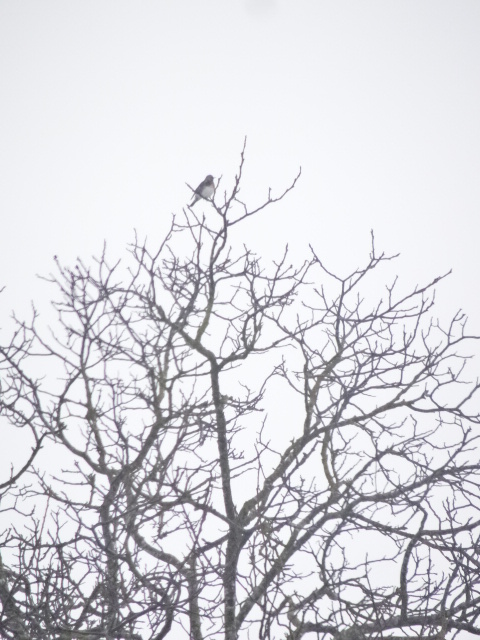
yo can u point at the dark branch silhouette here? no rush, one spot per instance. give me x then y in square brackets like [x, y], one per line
[239, 450]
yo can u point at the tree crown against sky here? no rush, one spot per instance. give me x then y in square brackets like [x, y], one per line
[239, 450]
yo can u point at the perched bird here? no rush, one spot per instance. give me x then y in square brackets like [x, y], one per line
[204, 190]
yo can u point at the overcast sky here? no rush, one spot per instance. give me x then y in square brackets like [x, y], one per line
[108, 107]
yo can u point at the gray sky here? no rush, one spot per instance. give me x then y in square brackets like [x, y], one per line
[108, 107]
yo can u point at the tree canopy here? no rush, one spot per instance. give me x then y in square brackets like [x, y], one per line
[239, 449]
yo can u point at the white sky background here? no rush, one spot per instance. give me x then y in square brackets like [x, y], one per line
[108, 107]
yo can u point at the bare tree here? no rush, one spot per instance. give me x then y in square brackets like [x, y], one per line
[240, 451]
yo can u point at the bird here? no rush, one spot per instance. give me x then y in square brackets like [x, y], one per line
[204, 190]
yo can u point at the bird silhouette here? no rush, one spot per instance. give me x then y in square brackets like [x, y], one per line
[205, 190]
